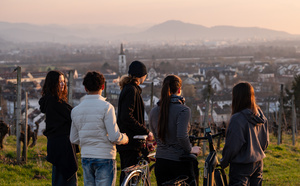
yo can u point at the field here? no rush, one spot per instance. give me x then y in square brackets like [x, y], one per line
[281, 166]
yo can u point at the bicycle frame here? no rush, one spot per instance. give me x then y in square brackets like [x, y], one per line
[139, 173]
[211, 162]
[142, 169]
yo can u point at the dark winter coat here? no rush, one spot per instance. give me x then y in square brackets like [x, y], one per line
[247, 138]
[131, 115]
[60, 152]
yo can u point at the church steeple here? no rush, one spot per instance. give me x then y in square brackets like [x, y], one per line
[122, 61]
[122, 51]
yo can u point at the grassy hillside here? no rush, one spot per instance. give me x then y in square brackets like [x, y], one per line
[281, 167]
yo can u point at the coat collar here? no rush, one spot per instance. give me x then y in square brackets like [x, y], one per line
[134, 83]
[94, 96]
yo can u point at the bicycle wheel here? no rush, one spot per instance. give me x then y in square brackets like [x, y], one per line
[135, 178]
[220, 177]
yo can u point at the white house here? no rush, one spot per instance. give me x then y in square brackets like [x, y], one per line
[222, 100]
[190, 81]
[152, 74]
[281, 70]
[221, 115]
[157, 81]
[215, 84]
[266, 77]
[147, 101]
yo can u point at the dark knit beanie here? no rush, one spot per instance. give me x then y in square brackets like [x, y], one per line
[137, 69]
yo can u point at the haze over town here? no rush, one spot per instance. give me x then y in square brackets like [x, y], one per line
[260, 44]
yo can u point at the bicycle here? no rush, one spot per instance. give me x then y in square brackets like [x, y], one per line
[213, 174]
[139, 174]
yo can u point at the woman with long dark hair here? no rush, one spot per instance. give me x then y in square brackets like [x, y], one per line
[169, 122]
[247, 138]
[131, 114]
[60, 151]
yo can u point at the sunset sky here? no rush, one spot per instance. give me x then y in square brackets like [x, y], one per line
[281, 15]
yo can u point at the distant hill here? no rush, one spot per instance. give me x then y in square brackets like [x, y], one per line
[23, 32]
[176, 29]
[169, 30]
[185, 31]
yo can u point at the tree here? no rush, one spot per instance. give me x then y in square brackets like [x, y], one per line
[189, 91]
[296, 91]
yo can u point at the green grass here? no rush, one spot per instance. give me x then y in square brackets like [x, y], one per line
[281, 166]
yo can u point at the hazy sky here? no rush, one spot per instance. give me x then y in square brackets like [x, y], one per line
[282, 15]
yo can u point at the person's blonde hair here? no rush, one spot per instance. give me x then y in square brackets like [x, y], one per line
[126, 79]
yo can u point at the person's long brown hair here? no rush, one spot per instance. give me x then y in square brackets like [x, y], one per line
[52, 87]
[243, 97]
[171, 85]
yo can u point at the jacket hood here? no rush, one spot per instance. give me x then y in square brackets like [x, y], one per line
[254, 119]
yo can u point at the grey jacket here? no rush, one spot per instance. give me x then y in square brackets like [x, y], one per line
[247, 138]
[177, 139]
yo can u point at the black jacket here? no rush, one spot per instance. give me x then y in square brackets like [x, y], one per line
[131, 115]
[60, 151]
[58, 116]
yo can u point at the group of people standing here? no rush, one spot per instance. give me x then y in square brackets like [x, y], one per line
[93, 126]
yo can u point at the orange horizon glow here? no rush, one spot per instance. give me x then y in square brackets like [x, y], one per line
[276, 14]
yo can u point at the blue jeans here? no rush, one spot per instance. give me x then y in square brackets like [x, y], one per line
[99, 172]
[59, 180]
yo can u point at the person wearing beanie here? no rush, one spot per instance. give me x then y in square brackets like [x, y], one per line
[131, 114]
[137, 69]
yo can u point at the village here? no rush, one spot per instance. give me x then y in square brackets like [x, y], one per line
[207, 83]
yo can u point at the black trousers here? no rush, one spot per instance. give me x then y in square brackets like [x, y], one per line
[246, 174]
[128, 158]
[166, 170]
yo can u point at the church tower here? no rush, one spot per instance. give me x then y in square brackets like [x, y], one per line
[122, 61]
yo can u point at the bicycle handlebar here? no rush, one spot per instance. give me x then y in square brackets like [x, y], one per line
[207, 136]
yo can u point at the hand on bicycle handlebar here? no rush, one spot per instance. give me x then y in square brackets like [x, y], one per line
[196, 150]
[150, 137]
[151, 146]
[126, 139]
